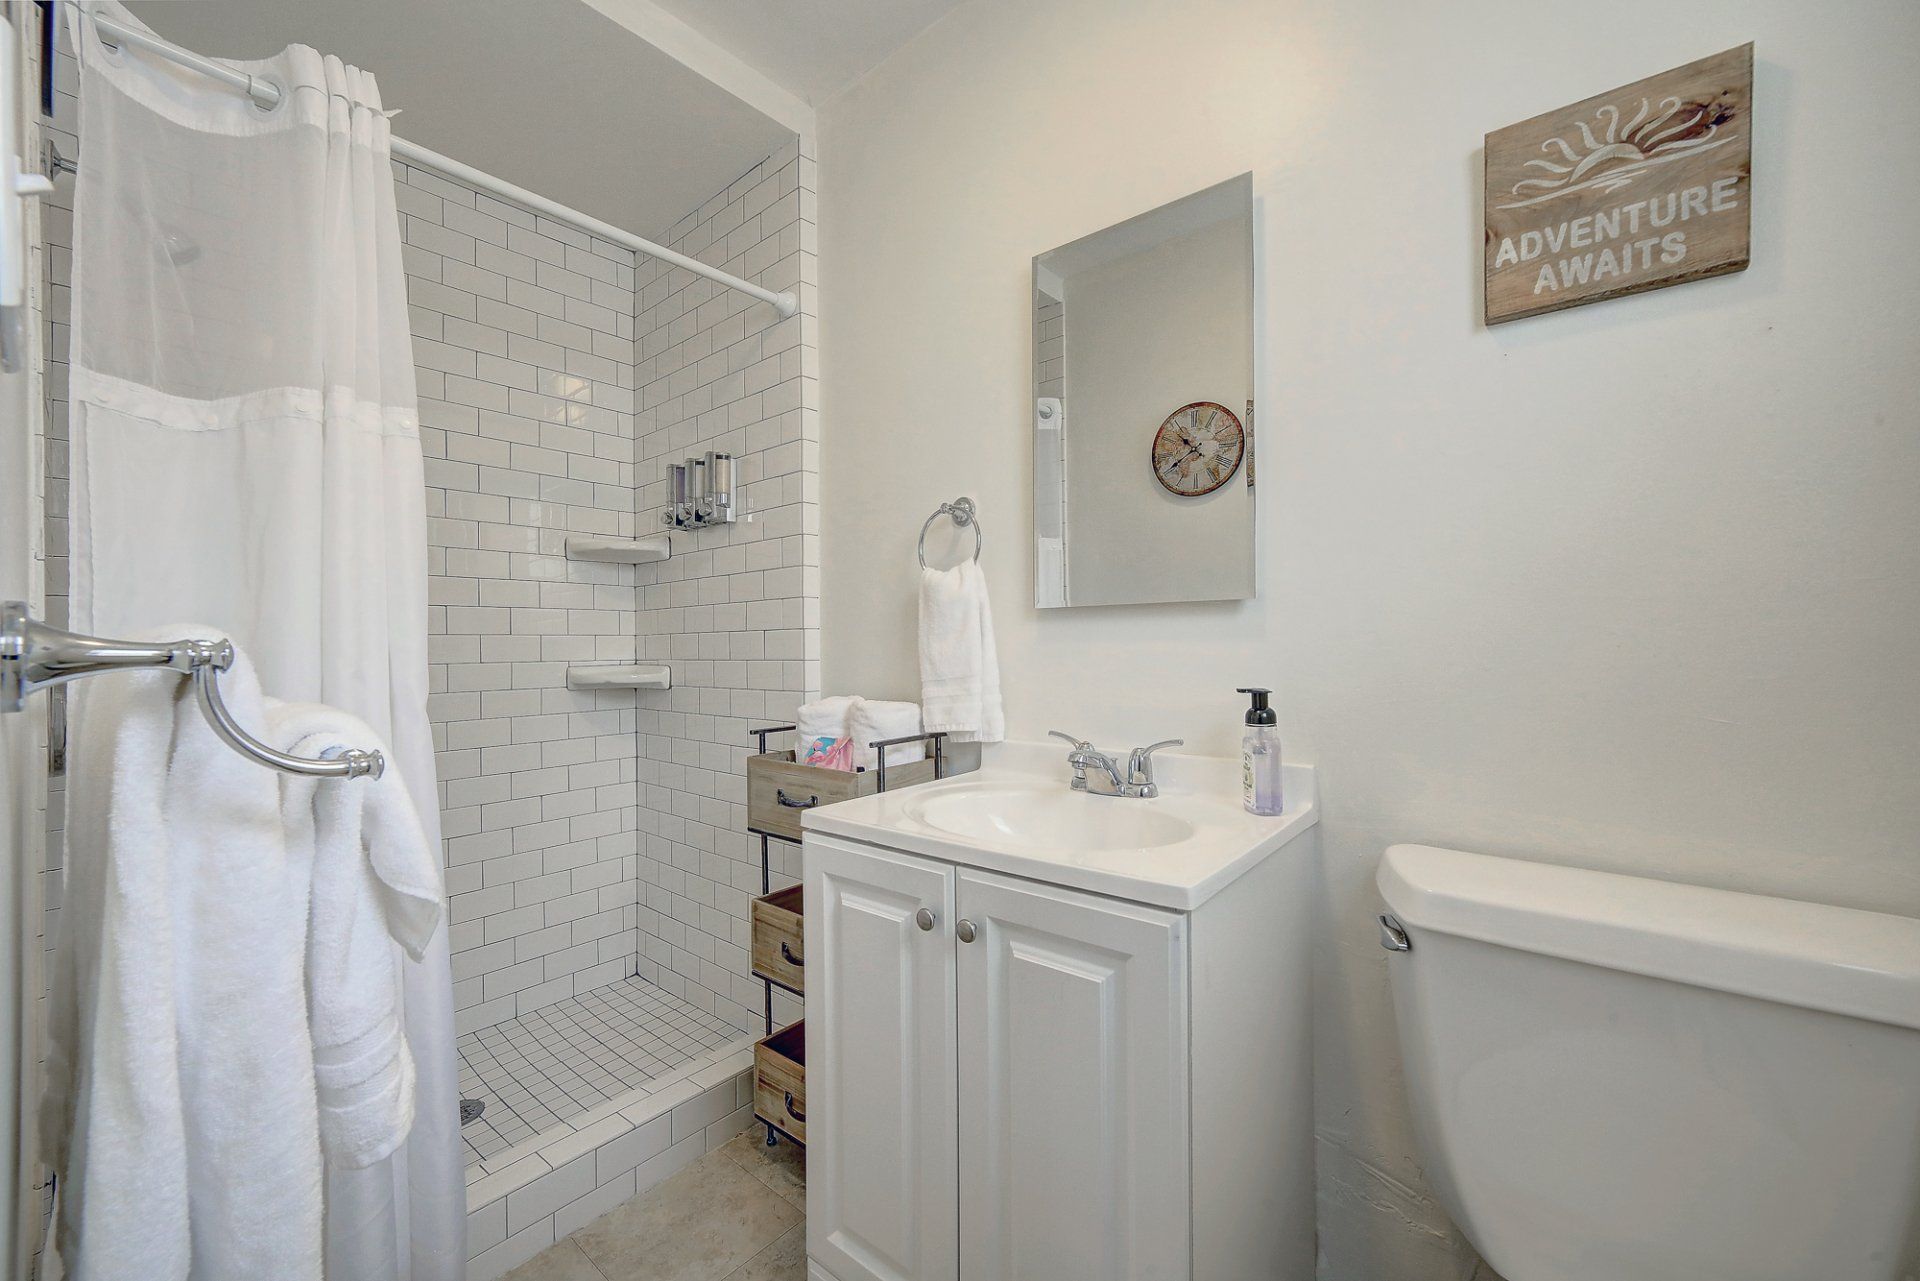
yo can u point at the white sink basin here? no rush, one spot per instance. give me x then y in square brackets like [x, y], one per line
[1017, 815]
[1049, 818]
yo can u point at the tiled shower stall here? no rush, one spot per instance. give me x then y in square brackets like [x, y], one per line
[597, 863]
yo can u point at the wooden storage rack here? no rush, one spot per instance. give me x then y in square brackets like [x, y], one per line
[779, 790]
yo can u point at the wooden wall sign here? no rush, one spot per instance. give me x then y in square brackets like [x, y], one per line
[1637, 189]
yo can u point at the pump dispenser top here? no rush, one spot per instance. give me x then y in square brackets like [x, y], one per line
[1259, 713]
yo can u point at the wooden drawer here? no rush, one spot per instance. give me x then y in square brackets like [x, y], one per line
[780, 1080]
[779, 938]
[780, 791]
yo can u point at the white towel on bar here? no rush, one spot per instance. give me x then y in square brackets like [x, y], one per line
[375, 884]
[959, 663]
[181, 1095]
[874, 720]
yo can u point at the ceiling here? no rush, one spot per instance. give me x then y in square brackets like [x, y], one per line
[811, 48]
[548, 94]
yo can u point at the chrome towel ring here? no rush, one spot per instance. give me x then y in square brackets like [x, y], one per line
[961, 511]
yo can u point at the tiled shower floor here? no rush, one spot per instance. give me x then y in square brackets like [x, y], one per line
[549, 1069]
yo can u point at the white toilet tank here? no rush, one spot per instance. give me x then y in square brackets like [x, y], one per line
[1621, 1079]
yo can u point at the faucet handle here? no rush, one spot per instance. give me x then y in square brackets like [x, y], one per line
[1139, 768]
[1074, 759]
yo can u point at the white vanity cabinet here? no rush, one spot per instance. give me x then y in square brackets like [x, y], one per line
[1010, 1079]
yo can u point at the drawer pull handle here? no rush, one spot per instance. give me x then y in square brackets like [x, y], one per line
[780, 794]
[786, 954]
[794, 1112]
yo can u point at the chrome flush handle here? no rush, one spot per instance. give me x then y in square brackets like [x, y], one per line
[1393, 935]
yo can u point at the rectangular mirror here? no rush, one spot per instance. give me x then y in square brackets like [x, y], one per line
[1143, 407]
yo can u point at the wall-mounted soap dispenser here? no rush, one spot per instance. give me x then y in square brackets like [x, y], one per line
[700, 492]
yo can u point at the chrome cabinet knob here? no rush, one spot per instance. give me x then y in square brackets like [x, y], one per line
[924, 918]
[964, 931]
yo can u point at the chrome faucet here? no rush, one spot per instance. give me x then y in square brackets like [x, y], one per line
[1109, 779]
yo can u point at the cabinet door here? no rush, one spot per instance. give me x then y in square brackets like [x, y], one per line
[1073, 1086]
[881, 1202]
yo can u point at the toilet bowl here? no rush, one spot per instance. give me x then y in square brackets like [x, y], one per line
[1622, 1079]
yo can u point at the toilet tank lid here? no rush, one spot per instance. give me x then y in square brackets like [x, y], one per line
[1835, 959]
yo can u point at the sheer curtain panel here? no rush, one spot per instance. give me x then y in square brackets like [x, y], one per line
[246, 453]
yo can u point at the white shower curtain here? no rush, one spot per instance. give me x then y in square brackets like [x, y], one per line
[246, 454]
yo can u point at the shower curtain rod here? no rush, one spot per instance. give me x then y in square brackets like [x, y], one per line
[267, 94]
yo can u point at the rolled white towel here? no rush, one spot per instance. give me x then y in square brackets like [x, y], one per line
[822, 718]
[873, 720]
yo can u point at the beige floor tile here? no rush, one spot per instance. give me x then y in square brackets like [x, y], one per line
[782, 1168]
[564, 1262]
[703, 1224]
[784, 1260]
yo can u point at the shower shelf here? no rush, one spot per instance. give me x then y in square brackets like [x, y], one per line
[620, 676]
[620, 551]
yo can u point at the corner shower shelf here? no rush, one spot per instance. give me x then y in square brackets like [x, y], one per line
[620, 551]
[620, 676]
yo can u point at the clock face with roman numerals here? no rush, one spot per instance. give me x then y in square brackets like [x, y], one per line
[1198, 449]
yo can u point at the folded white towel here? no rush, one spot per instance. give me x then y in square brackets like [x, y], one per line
[873, 720]
[959, 663]
[822, 718]
[188, 1123]
[375, 883]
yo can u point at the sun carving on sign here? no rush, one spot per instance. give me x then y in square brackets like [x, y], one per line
[1198, 449]
[1652, 136]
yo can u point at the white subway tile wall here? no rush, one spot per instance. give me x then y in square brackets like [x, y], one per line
[56, 238]
[736, 609]
[47, 267]
[523, 341]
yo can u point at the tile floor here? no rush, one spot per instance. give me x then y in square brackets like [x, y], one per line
[736, 1214]
[538, 1072]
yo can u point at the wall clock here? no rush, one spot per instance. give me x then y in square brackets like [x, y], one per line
[1198, 449]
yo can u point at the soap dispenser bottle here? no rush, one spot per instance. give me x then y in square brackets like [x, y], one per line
[1260, 756]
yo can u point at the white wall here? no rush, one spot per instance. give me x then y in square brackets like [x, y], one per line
[1151, 332]
[1635, 586]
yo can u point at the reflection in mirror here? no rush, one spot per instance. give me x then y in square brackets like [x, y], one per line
[1143, 407]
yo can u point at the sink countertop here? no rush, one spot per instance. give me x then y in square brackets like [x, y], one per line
[1196, 837]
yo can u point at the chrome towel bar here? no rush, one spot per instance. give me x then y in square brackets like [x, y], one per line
[34, 656]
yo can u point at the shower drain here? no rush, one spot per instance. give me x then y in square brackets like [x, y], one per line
[470, 1109]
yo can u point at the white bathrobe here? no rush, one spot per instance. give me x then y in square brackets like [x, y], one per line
[182, 1113]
